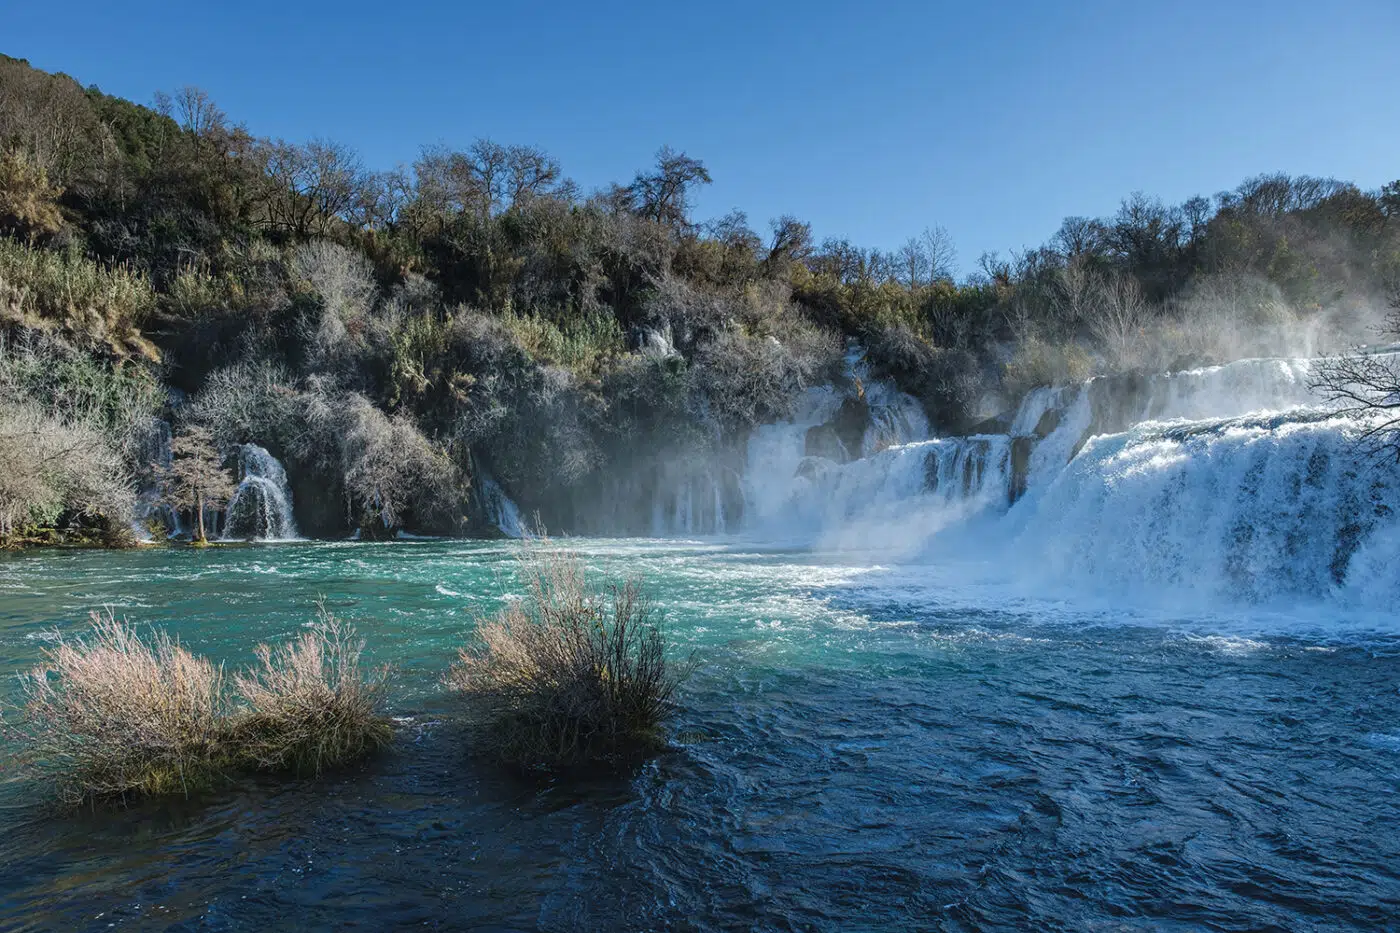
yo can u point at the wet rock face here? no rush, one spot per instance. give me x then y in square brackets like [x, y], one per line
[825, 441]
[851, 422]
[1048, 423]
[1021, 448]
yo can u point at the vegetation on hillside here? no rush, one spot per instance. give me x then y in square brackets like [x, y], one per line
[392, 335]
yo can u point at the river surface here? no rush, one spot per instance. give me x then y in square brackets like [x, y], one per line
[859, 748]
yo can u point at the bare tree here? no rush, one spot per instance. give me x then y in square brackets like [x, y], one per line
[1366, 386]
[663, 195]
[530, 173]
[1117, 317]
[193, 109]
[914, 266]
[196, 477]
[938, 246]
[311, 186]
[51, 465]
[1076, 293]
[51, 119]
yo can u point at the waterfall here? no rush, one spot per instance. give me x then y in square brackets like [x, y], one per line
[1226, 482]
[155, 456]
[261, 507]
[1255, 508]
[501, 510]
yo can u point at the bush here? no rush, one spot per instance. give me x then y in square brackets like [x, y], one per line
[119, 401]
[114, 714]
[50, 466]
[582, 344]
[947, 381]
[568, 676]
[1038, 363]
[309, 707]
[97, 306]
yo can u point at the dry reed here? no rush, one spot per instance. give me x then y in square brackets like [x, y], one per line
[569, 676]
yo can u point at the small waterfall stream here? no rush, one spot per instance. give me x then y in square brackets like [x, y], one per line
[261, 508]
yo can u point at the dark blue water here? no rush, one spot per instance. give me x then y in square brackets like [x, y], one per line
[847, 758]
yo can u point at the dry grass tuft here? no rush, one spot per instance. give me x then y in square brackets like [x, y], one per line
[309, 707]
[114, 714]
[568, 676]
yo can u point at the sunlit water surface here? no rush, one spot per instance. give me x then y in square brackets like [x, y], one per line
[858, 749]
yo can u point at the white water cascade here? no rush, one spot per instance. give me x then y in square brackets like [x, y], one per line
[261, 508]
[501, 510]
[1224, 483]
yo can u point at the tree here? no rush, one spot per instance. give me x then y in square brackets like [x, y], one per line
[1117, 316]
[664, 194]
[792, 242]
[28, 203]
[193, 108]
[1366, 386]
[311, 186]
[196, 476]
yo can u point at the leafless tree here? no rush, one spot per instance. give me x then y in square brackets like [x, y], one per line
[1076, 293]
[1366, 386]
[311, 187]
[663, 194]
[914, 267]
[343, 280]
[196, 477]
[1117, 317]
[49, 117]
[938, 247]
[49, 465]
[193, 109]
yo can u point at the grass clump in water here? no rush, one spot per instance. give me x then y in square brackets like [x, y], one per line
[308, 705]
[569, 676]
[113, 714]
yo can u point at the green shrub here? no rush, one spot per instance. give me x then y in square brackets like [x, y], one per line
[581, 344]
[568, 676]
[1038, 363]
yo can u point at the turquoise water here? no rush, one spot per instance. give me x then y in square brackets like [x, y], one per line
[859, 748]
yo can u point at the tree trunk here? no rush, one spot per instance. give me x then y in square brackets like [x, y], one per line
[199, 517]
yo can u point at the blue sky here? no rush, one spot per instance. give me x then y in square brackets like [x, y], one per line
[871, 121]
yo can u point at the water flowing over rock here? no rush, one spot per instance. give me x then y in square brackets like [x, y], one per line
[1226, 482]
[500, 509]
[154, 456]
[261, 508]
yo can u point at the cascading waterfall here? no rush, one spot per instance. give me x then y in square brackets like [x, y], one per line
[261, 508]
[501, 510]
[152, 510]
[1254, 508]
[1230, 482]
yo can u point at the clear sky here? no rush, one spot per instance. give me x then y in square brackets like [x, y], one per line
[871, 121]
